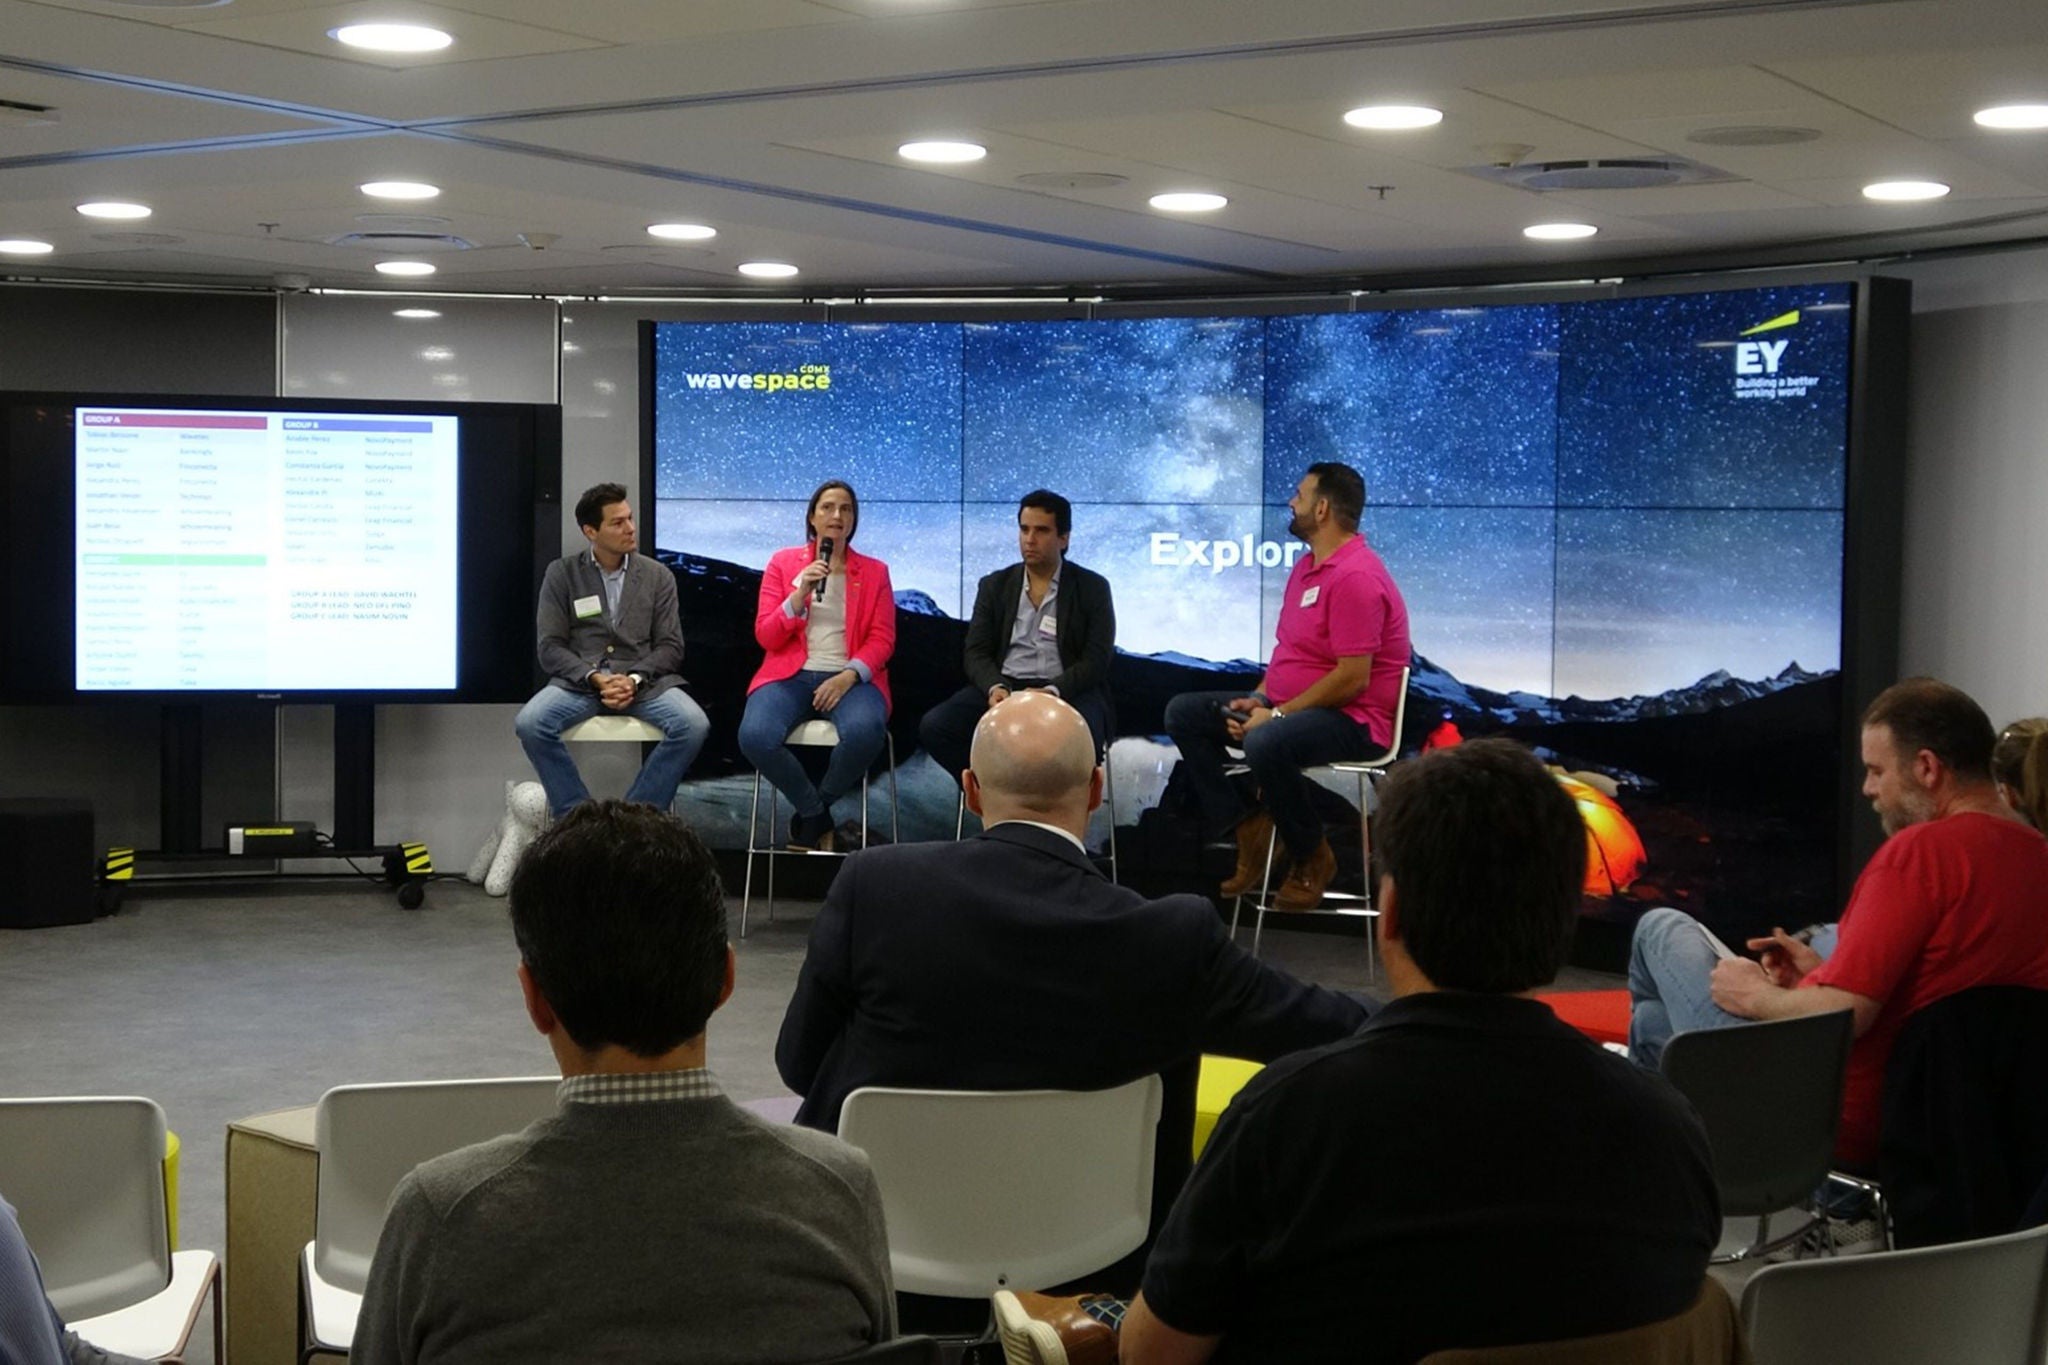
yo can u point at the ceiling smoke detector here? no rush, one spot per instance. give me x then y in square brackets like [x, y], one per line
[1613, 173]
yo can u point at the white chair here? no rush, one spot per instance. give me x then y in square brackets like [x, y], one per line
[1108, 805]
[86, 1174]
[987, 1190]
[370, 1137]
[1368, 772]
[820, 734]
[1980, 1302]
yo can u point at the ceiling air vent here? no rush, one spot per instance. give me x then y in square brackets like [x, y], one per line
[403, 241]
[1613, 173]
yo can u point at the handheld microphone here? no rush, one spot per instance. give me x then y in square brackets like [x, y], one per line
[825, 558]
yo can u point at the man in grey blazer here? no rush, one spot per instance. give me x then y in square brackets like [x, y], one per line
[610, 640]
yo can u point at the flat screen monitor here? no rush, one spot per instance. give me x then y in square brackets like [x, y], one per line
[282, 549]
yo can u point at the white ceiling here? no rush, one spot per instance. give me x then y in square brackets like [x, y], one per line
[247, 130]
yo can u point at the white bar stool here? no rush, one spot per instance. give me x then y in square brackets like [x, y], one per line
[822, 734]
[1368, 771]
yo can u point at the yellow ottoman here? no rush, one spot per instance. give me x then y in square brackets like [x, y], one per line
[1222, 1078]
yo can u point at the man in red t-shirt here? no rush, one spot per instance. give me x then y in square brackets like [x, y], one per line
[1329, 694]
[1956, 897]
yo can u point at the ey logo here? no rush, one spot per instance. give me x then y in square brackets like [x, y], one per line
[1762, 357]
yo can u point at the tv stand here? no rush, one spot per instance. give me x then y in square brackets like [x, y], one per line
[181, 742]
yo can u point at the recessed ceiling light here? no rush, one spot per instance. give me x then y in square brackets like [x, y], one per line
[1558, 232]
[415, 313]
[391, 37]
[400, 189]
[1904, 191]
[25, 246]
[113, 208]
[1394, 117]
[2014, 116]
[436, 353]
[768, 270]
[942, 153]
[682, 232]
[404, 268]
[1187, 201]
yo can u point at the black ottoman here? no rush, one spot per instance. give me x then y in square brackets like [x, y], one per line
[49, 870]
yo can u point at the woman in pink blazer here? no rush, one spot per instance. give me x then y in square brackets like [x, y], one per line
[827, 619]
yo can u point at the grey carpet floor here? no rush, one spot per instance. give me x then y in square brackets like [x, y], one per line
[221, 1003]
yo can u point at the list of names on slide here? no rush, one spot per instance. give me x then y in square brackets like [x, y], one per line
[265, 550]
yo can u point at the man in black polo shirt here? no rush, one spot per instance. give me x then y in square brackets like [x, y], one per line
[1466, 1170]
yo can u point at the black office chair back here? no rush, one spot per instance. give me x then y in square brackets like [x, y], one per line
[1964, 1149]
[1770, 1095]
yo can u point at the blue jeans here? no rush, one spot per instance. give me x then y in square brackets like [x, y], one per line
[554, 709]
[1670, 963]
[1276, 753]
[776, 708]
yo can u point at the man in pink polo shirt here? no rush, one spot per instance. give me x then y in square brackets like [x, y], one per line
[1329, 693]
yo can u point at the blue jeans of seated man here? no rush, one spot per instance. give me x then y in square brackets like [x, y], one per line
[776, 708]
[1276, 753]
[554, 709]
[1670, 965]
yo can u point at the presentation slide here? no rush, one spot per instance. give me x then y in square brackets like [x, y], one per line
[253, 550]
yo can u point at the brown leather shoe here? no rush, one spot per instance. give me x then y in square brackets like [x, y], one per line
[1254, 833]
[1307, 880]
[1037, 1329]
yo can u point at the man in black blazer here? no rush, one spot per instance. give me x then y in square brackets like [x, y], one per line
[1008, 962]
[1042, 624]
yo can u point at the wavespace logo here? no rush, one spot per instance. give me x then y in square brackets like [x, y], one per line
[804, 379]
[1171, 550]
[1759, 365]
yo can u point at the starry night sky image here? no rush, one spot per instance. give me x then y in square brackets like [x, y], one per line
[1163, 410]
[1652, 600]
[1482, 432]
[1453, 407]
[890, 423]
[1648, 414]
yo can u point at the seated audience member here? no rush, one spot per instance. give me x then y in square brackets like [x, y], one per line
[31, 1332]
[2019, 764]
[1044, 622]
[1955, 897]
[827, 619]
[1468, 1170]
[650, 1219]
[1008, 962]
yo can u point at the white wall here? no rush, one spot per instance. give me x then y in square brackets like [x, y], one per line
[1976, 536]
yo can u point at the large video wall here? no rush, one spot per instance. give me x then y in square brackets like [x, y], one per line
[1597, 499]
[1608, 513]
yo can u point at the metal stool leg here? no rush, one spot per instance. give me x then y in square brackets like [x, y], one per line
[753, 825]
[894, 836]
[1365, 786]
[1265, 890]
[1109, 803]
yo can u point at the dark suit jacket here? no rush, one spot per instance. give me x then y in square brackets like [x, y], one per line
[646, 637]
[1008, 962]
[1087, 628]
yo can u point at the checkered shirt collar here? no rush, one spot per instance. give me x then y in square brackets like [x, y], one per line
[639, 1087]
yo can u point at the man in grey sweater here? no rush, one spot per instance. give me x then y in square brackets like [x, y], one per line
[651, 1219]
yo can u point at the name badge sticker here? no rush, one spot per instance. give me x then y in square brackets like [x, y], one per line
[588, 608]
[1308, 598]
[1048, 626]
